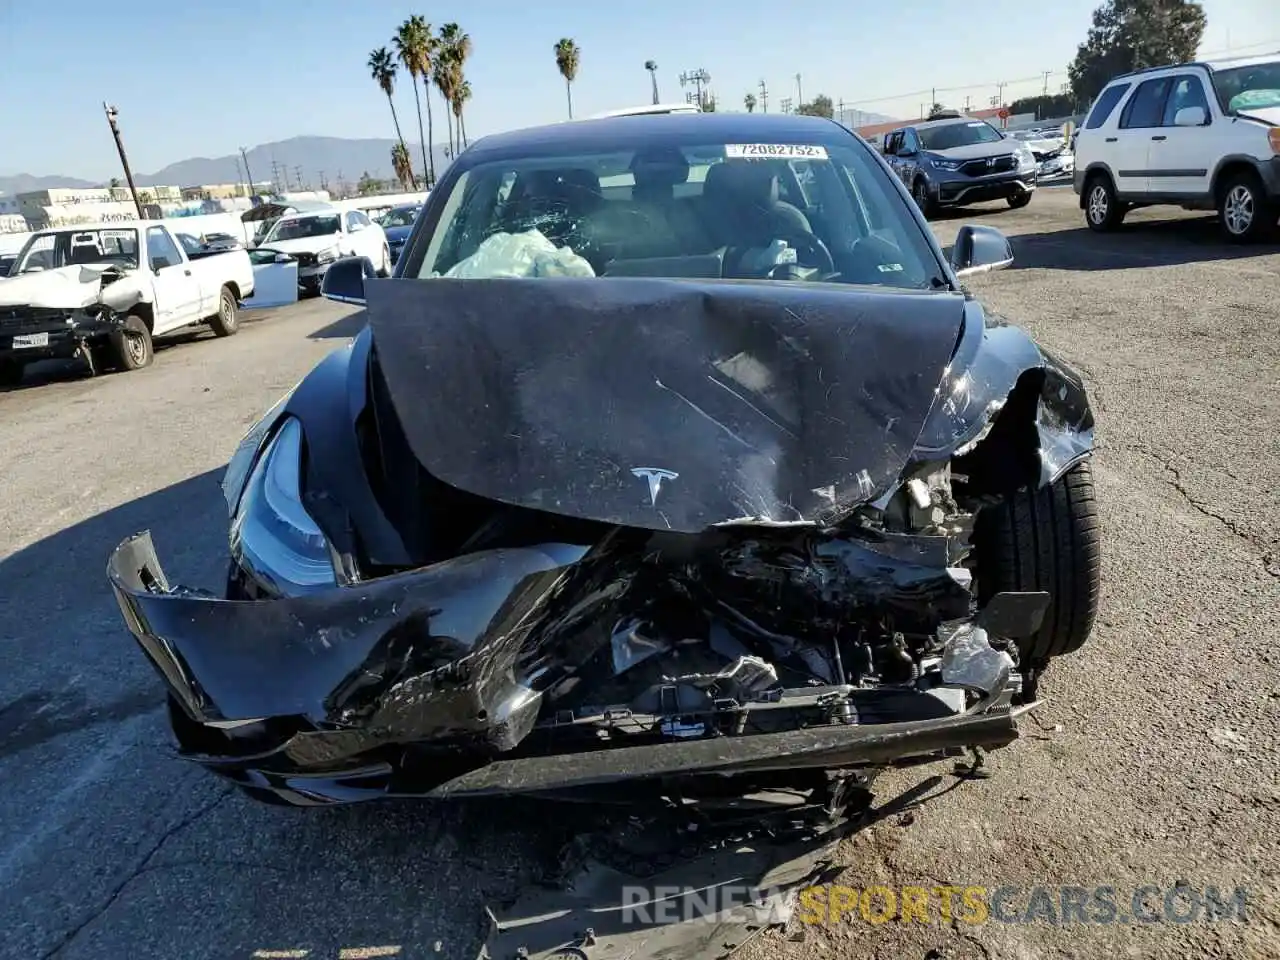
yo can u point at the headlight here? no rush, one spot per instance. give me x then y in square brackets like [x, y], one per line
[272, 534]
[944, 164]
[1025, 157]
[327, 256]
[241, 462]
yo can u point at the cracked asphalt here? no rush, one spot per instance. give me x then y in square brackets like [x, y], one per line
[1153, 761]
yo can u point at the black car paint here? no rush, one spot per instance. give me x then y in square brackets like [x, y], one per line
[316, 743]
[781, 402]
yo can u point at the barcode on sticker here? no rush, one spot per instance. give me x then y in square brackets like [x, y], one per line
[788, 151]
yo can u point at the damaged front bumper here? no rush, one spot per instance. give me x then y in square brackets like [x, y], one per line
[429, 683]
[28, 334]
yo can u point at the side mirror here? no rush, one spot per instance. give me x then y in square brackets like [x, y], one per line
[344, 280]
[1190, 117]
[159, 263]
[980, 250]
[355, 228]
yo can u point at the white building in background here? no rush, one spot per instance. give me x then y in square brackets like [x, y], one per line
[11, 219]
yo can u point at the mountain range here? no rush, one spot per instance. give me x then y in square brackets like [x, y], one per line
[309, 161]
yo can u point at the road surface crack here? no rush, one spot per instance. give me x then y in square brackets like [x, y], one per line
[143, 866]
[1270, 560]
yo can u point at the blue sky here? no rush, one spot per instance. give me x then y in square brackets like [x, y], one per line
[201, 79]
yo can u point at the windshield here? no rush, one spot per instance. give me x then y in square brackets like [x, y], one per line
[1255, 87]
[958, 135]
[399, 217]
[799, 211]
[47, 251]
[298, 228]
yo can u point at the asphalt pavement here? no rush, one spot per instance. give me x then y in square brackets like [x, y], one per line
[1152, 763]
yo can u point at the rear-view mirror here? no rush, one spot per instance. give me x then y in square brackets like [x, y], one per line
[1190, 117]
[980, 249]
[344, 281]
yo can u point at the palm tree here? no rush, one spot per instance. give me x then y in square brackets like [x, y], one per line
[383, 68]
[442, 73]
[568, 58]
[415, 46]
[455, 48]
[402, 164]
[749, 101]
[461, 94]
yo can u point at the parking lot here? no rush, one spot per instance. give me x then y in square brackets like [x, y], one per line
[1153, 762]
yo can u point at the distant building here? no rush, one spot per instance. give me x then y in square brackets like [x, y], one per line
[224, 191]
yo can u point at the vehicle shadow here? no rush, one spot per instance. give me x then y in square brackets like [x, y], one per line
[1145, 243]
[344, 328]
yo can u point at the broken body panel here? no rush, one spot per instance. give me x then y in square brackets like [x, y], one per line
[798, 600]
[58, 312]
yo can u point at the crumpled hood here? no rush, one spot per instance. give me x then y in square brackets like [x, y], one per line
[302, 244]
[69, 288]
[662, 404]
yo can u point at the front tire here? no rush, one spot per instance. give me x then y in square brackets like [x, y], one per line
[385, 269]
[1019, 199]
[226, 321]
[1103, 212]
[1243, 210]
[1046, 539]
[924, 200]
[11, 372]
[130, 345]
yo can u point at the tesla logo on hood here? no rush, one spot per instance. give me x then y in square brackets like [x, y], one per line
[655, 476]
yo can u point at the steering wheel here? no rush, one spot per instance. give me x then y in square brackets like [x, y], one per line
[812, 243]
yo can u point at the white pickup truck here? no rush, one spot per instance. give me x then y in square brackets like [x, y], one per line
[102, 291]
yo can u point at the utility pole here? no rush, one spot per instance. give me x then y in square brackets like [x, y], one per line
[297, 172]
[698, 78]
[764, 98]
[933, 96]
[1046, 73]
[112, 113]
[247, 172]
[799, 91]
[967, 99]
[652, 67]
[785, 104]
[1000, 93]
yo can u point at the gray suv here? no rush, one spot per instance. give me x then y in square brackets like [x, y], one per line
[958, 161]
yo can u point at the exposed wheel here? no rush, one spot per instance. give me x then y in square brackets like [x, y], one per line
[1243, 210]
[226, 321]
[1102, 211]
[1046, 539]
[1020, 199]
[130, 345]
[384, 269]
[920, 192]
[11, 371]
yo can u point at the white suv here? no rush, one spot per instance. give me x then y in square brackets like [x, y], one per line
[1202, 136]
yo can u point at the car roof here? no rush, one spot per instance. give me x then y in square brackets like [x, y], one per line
[621, 134]
[118, 225]
[947, 122]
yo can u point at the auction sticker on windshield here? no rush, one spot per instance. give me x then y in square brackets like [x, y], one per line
[758, 151]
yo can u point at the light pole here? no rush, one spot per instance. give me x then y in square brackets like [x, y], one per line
[653, 76]
[112, 113]
[799, 91]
